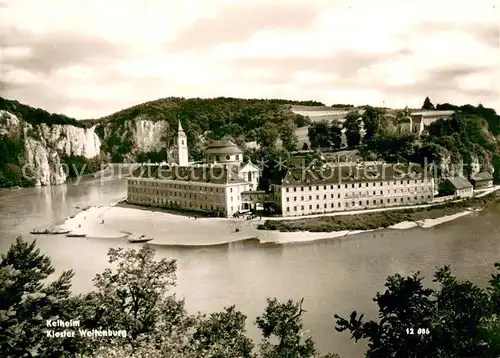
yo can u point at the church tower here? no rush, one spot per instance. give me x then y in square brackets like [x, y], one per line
[182, 148]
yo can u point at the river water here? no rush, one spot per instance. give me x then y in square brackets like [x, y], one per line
[333, 276]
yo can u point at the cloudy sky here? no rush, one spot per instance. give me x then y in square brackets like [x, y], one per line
[91, 58]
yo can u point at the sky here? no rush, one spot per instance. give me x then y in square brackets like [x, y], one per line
[91, 58]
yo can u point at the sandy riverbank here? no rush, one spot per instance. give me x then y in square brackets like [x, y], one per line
[117, 222]
[428, 223]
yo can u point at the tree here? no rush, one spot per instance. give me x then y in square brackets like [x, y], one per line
[352, 127]
[319, 136]
[267, 136]
[287, 136]
[222, 335]
[427, 104]
[335, 134]
[458, 319]
[372, 122]
[135, 296]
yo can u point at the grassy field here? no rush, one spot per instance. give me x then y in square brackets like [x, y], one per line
[377, 220]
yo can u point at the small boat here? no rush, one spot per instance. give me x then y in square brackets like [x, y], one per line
[72, 234]
[59, 232]
[40, 232]
[140, 239]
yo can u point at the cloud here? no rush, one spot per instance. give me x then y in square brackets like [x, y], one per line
[239, 22]
[94, 59]
[54, 50]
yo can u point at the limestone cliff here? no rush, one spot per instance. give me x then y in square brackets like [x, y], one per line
[42, 147]
[126, 140]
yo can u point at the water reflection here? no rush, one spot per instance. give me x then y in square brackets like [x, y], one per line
[334, 276]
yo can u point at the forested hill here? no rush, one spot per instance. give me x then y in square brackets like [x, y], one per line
[36, 116]
[245, 120]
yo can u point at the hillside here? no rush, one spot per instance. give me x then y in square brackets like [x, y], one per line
[41, 148]
[53, 147]
[148, 129]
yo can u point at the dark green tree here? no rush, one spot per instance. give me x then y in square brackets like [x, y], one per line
[335, 135]
[427, 104]
[372, 122]
[287, 135]
[268, 135]
[352, 129]
[458, 319]
[27, 301]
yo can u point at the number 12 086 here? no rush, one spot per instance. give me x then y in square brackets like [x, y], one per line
[418, 331]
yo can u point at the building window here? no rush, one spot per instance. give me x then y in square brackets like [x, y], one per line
[294, 208]
[317, 206]
[217, 158]
[301, 188]
[231, 190]
[295, 189]
[294, 198]
[287, 190]
[317, 187]
[287, 199]
[338, 205]
[324, 187]
[325, 206]
[310, 207]
[302, 207]
[331, 186]
[367, 184]
[324, 196]
[360, 203]
[301, 198]
[317, 197]
[288, 209]
[331, 196]
[310, 188]
[338, 196]
[310, 197]
[332, 205]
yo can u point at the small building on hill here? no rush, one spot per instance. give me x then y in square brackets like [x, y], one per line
[460, 187]
[482, 180]
[417, 121]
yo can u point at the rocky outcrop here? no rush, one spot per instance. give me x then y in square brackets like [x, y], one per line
[134, 136]
[44, 146]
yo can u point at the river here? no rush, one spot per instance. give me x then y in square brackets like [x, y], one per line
[334, 276]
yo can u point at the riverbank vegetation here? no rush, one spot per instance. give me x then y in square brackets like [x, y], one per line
[136, 297]
[471, 135]
[457, 319]
[376, 220]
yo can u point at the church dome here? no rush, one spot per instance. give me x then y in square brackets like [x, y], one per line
[222, 147]
[222, 151]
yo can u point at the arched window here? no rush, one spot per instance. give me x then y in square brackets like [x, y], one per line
[228, 157]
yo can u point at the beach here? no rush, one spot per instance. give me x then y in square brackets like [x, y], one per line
[120, 222]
